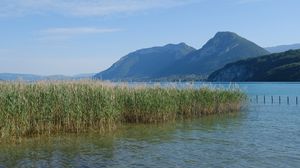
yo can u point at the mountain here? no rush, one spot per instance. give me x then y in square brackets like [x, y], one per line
[14, 76]
[182, 61]
[145, 63]
[283, 48]
[31, 77]
[223, 48]
[84, 76]
[275, 67]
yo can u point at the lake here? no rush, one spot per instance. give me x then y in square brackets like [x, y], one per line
[261, 135]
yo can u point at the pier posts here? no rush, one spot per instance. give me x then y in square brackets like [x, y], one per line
[272, 99]
[281, 99]
[257, 99]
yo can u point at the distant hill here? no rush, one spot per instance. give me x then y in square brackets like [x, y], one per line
[145, 63]
[13, 76]
[84, 76]
[223, 48]
[283, 48]
[182, 61]
[31, 77]
[275, 67]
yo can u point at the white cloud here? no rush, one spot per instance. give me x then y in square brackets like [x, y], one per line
[77, 30]
[84, 7]
[64, 33]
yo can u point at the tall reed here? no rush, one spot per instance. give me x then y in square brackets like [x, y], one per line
[50, 107]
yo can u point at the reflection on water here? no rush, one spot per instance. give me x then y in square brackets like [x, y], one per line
[259, 136]
[131, 145]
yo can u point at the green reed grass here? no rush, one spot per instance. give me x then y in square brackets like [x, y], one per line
[50, 107]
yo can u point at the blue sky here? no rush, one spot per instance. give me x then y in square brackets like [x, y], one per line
[82, 36]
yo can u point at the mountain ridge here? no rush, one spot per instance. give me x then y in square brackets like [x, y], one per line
[181, 60]
[144, 63]
[283, 48]
[223, 48]
[33, 77]
[275, 67]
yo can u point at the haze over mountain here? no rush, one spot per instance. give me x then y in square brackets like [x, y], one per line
[14, 76]
[145, 63]
[275, 67]
[283, 48]
[32, 77]
[182, 60]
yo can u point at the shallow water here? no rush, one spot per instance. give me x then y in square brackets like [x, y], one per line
[262, 135]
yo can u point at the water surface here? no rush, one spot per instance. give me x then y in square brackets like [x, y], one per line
[262, 135]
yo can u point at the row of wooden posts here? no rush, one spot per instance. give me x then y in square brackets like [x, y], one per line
[281, 99]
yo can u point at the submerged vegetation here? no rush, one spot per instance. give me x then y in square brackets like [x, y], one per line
[51, 107]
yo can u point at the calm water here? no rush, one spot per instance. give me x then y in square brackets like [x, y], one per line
[262, 135]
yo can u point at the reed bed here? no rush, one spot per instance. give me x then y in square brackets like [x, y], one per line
[52, 107]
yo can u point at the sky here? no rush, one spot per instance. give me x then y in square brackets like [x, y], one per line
[47, 37]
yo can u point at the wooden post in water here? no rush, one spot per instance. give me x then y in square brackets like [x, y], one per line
[264, 99]
[279, 100]
[257, 99]
[272, 99]
[288, 100]
[296, 100]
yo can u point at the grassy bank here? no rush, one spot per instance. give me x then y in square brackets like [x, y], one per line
[51, 107]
